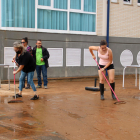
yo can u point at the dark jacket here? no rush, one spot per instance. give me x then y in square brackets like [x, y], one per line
[45, 53]
[29, 49]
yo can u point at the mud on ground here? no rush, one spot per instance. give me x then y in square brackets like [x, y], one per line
[66, 111]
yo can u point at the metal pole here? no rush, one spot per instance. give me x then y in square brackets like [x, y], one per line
[0, 77]
[139, 78]
[123, 75]
[95, 82]
[8, 77]
[108, 11]
[107, 35]
[136, 77]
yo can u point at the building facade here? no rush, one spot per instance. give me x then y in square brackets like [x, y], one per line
[67, 28]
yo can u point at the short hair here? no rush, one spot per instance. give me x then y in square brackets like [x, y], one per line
[103, 42]
[25, 39]
[39, 40]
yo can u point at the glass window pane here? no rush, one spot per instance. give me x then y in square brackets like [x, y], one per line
[126, 0]
[82, 22]
[75, 4]
[61, 4]
[90, 5]
[138, 1]
[44, 2]
[49, 19]
[18, 13]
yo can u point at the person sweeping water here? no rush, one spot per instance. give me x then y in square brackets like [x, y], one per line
[27, 65]
[105, 63]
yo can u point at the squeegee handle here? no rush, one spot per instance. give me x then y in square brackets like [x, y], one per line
[14, 74]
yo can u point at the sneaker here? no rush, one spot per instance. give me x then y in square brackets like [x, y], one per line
[17, 95]
[45, 87]
[35, 97]
[28, 87]
[38, 86]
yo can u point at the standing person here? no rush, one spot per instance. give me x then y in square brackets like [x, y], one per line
[28, 48]
[41, 56]
[105, 62]
[26, 66]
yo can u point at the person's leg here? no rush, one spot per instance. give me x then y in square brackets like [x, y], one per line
[24, 81]
[28, 85]
[111, 74]
[101, 83]
[21, 82]
[38, 70]
[44, 73]
[31, 82]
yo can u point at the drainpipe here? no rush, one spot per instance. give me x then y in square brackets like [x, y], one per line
[108, 11]
[107, 34]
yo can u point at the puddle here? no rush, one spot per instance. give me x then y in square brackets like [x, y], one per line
[6, 99]
[76, 116]
[3, 117]
[48, 138]
[8, 128]
[25, 125]
[23, 114]
[137, 97]
[56, 133]
[31, 122]
[31, 106]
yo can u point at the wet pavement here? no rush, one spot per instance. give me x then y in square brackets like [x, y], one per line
[66, 111]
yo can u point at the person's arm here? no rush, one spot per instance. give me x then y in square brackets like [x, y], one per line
[19, 69]
[46, 55]
[110, 58]
[93, 48]
[14, 58]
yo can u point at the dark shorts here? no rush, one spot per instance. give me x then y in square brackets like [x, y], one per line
[108, 68]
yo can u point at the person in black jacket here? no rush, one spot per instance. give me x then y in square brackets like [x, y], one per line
[41, 56]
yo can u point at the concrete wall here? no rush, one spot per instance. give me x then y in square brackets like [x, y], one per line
[117, 44]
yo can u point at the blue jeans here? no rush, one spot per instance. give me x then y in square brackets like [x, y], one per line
[30, 80]
[44, 73]
[27, 78]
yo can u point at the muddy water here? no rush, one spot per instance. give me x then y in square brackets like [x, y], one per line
[66, 111]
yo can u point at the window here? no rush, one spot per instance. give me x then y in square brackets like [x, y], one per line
[44, 2]
[138, 2]
[82, 22]
[75, 4]
[50, 19]
[90, 5]
[18, 13]
[114, 1]
[127, 2]
[85, 18]
[60, 16]
[61, 4]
